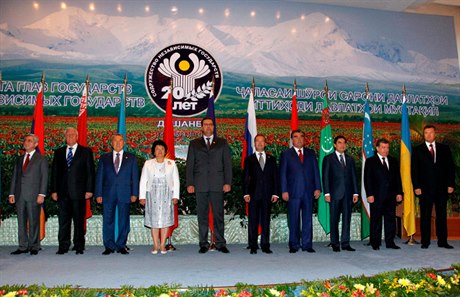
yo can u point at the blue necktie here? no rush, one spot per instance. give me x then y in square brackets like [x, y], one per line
[69, 157]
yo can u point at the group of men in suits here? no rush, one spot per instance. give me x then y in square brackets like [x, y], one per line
[209, 176]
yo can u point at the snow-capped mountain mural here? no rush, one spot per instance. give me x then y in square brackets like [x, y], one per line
[314, 46]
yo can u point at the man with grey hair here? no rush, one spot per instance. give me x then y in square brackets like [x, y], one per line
[28, 190]
[72, 182]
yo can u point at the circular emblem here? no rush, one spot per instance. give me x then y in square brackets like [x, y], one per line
[192, 71]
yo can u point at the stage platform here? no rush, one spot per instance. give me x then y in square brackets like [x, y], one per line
[187, 267]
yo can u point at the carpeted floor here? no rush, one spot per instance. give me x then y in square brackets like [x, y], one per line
[188, 268]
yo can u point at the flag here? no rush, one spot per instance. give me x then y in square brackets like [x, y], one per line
[168, 138]
[294, 114]
[326, 147]
[121, 129]
[38, 128]
[82, 128]
[405, 157]
[250, 129]
[367, 152]
[210, 114]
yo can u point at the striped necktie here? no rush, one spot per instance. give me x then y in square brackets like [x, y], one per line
[69, 157]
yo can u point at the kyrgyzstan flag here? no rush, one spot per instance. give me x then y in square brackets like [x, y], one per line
[38, 128]
[168, 138]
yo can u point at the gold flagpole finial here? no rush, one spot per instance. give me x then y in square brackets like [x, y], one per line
[326, 89]
[295, 85]
[87, 80]
[367, 89]
[171, 84]
[404, 89]
[253, 85]
[212, 85]
[43, 77]
[125, 80]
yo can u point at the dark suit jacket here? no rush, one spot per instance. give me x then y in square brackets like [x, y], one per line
[257, 183]
[208, 170]
[336, 181]
[299, 179]
[432, 178]
[380, 182]
[75, 181]
[121, 186]
[27, 185]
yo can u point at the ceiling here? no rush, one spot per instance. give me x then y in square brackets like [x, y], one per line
[392, 5]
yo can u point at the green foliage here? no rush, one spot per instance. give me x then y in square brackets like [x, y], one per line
[404, 282]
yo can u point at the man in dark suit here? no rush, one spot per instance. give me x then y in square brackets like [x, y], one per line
[72, 182]
[209, 176]
[433, 178]
[117, 185]
[341, 191]
[261, 190]
[300, 182]
[28, 189]
[382, 182]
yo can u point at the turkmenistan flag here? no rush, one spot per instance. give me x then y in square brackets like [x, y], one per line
[326, 147]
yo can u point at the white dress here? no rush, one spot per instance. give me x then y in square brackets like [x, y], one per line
[159, 210]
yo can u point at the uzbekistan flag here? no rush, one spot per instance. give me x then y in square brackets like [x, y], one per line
[367, 152]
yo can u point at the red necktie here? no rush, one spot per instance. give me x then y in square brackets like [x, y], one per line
[300, 156]
[432, 151]
[26, 162]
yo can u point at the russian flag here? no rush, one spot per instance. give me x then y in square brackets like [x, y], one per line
[250, 130]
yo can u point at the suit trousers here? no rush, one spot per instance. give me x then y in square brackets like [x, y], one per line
[259, 213]
[337, 207]
[387, 209]
[202, 207]
[72, 210]
[28, 235]
[300, 207]
[426, 208]
[108, 226]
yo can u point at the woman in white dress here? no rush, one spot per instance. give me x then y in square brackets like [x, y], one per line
[159, 191]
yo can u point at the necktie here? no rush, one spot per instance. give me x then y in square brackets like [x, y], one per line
[117, 163]
[261, 161]
[26, 162]
[385, 164]
[300, 155]
[208, 142]
[342, 161]
[69, 157]
[432, 151]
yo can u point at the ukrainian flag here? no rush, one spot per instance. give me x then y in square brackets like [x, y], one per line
[406, 151]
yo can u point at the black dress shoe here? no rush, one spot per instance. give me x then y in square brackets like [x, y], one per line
[253, 251]
[393, 246]
[61, 252]
[34, 252]
[123, 251]
[336, 249]
[79, 252]
[309, 250]
[292, 250]
[107, 251]
[424, 246]
[18, 252]
[348, 248]
[203, 250]
[376, 248]
[224, 250]
[446, 246]
[267, 250]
